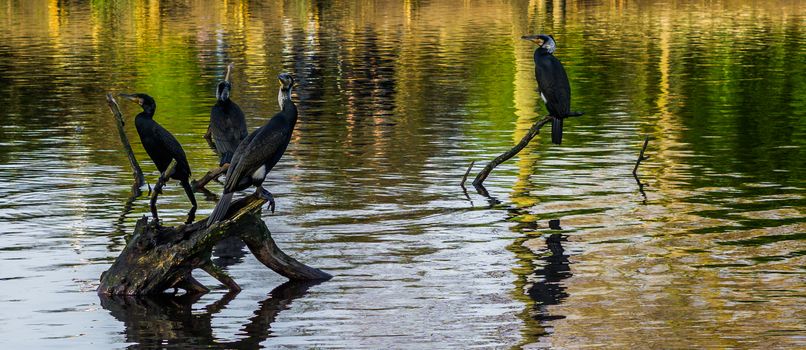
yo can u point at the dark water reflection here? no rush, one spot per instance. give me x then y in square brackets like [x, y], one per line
[396, 98]
[172, 321]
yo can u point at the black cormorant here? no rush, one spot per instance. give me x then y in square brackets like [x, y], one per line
[161, 146]
[552, 83]
[259, 152]
[227, 122]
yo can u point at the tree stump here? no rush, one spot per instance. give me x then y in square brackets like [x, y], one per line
[159, 258]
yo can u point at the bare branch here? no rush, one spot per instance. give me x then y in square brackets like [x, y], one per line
[641, 156]
[139, 179]
[211, 175]
[533, 131]
[464, 178]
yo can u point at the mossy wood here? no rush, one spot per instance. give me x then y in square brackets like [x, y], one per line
[159, 258]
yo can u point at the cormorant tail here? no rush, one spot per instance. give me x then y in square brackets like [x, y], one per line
[189, 192]
[220, 209]
[226, 158]
[556, 130]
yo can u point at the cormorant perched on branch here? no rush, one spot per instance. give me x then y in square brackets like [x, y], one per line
[227, 122]
[161, 146]
[552, 83]
[260, 152]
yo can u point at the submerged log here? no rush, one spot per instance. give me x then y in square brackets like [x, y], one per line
[159, 258]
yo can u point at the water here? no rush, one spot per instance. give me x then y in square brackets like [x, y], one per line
[396, 99]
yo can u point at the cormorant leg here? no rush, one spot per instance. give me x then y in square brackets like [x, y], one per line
[261, 192]
[192, 198]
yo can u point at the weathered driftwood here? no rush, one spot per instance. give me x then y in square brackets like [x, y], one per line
[139, 179]
[164, 177]
[160, 258]
[198, 185]
[533, 131]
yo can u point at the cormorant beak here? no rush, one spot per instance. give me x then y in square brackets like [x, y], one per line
[132, 98]
[535, 38]
[229, 69]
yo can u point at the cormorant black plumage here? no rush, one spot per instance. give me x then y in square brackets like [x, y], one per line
[227, 122]
[259, 152]
[161, 145]
[552, 83]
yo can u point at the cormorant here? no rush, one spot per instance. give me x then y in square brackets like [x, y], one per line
[552, 83]
[161, 146]
[227, 122]
[259, 152]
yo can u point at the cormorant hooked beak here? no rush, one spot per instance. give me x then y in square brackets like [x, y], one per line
[132, 97]
[535, 38]
[223, 89]
[229, 69]
[542, 40]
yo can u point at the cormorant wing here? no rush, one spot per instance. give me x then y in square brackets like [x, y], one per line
[255, 151]
[228, 127]
[173, 147]
[553, 84]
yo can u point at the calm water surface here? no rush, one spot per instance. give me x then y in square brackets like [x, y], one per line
[396, 98]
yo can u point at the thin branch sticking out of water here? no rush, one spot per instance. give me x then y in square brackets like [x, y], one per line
[641, 157]
[533, 131]
[464, 178]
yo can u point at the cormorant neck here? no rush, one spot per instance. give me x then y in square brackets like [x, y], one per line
[147, 113]
[284, 99]
[542, 51]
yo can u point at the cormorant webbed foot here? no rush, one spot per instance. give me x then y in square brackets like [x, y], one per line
[261, 192]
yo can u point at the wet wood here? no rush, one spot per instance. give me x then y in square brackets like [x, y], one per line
[467, 172]
[198, 185]
[139, 179]
[533, 131]
[641, 156]
[159, 258]
[164, 177]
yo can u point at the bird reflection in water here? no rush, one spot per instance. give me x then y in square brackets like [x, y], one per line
[165, 321]
[549, 290]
